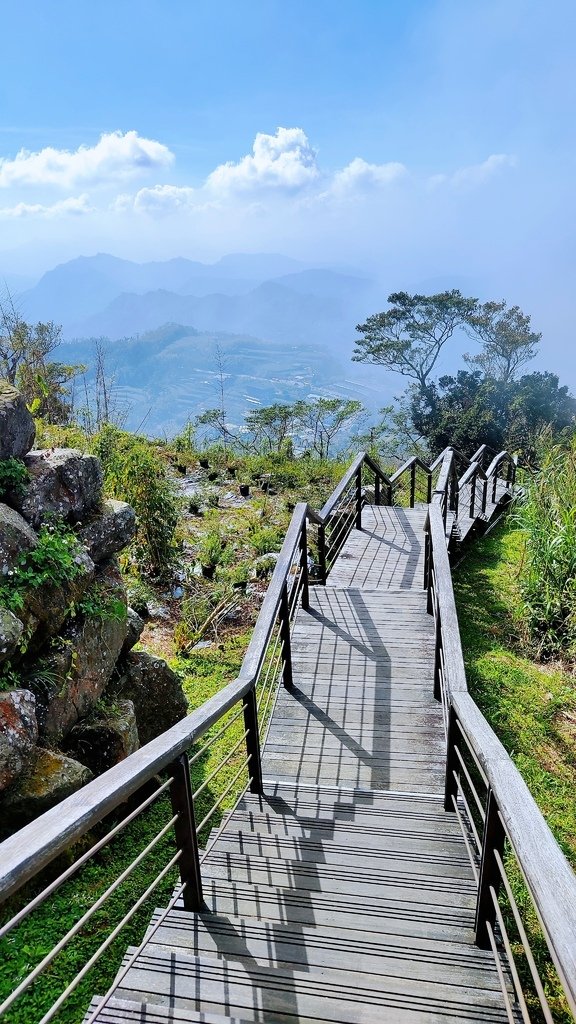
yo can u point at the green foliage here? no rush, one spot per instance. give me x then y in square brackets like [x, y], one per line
[468, 410]
[98, 603]
[212, 548]
[54, 561]
[134, 472]
[13, 477]
[265, 539]
[548, 580]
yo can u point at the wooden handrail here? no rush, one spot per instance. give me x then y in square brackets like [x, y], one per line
[549, 877]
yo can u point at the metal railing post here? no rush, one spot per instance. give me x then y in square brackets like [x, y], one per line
[492, 842]
[453, 741]
[304, 567]
[322, 552]
[185, 831]
[253, 741]
[412, 484]
[359, 498]
[285, 639]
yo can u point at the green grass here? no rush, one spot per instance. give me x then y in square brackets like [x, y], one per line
[204, 675]
[531, 706]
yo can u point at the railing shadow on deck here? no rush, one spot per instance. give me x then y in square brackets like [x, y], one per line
[506, 814]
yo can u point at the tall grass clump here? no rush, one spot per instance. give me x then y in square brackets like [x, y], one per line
[548, 580]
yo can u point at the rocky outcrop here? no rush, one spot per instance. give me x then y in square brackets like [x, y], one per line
[11, 630]
[65, 628]
[63, 482]
[110, 531]
[156, 692]
[103, 740]
[18, 733]
[16, 538]
[48, 778]
[17, 430]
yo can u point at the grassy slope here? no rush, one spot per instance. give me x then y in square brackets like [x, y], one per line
[531, 706]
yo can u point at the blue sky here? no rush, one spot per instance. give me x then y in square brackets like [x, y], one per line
[430, 142]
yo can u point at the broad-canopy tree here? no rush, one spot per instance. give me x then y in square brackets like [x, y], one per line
[409, 337]
[508, 341]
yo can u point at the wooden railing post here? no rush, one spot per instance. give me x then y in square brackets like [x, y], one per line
[185, 831]
[429, 489]
[437, 650]
[428, 566]
[253, 741]
[285, 639]
[359, 498]
[322, 552]
[493, 842]
[453, 741]
[484, 494]
[376, 489]
[412, 484]
[494, 486]
[304, 567]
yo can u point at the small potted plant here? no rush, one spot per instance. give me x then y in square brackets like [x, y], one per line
[203, 462]
[244, 488]
[211, 550]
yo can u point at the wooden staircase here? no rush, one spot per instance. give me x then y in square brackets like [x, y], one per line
[345, 892]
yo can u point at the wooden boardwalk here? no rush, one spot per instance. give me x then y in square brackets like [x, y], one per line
[345, 893]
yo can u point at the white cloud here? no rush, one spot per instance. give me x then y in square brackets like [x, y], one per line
[74, 206]
[360, 176]
[476, 174]
[115, 156]
[285, 160]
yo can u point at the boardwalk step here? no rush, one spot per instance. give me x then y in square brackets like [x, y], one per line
[265, 993]
[312, 948]
[117, 1011]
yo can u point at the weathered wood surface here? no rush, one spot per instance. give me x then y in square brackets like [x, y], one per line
[344, 894]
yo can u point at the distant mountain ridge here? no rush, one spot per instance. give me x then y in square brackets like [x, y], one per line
[268, 295]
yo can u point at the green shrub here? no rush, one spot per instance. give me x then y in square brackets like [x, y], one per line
[134, 472]
[54, 561]
[13, 477]
[548, 577]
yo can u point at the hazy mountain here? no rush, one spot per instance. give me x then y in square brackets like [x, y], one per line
[85, 286]
[268, 295]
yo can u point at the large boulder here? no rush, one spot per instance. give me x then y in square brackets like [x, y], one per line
[18, 733]
[16, 537]
[111, 531]
[101, 741]
[47, 607]
[156, 692]
[49, 778]
[64, 482]
[135, 628]
[11, 630]
[74, 675]
[17, 430]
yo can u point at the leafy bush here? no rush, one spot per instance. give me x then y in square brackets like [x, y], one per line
[548, 579]
[134, 472]
[13, 477]
[54, 561]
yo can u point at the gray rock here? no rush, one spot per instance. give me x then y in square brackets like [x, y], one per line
[73, 677]
[64, 482]
[11, 630]
[17, 430]
[111, 531]
[106, 739]
[134, 626]
[49, 778]
[156, 692]
[18, 733]
[47, 607]
[16, 537]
